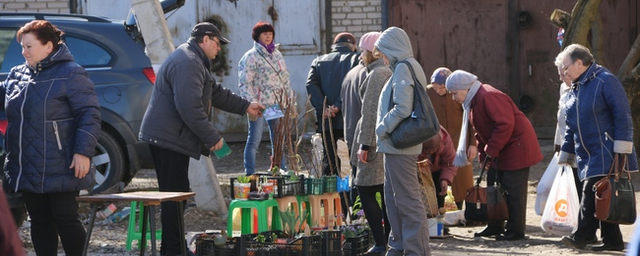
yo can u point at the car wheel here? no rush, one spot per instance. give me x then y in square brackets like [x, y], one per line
[109, 161]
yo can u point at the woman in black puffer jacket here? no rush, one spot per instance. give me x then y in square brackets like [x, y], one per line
[53, 125]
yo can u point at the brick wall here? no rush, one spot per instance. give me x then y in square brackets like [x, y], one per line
[54, 6]
[356, 16]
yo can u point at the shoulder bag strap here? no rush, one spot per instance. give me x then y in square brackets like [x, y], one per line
[484, 167]
[613, 170]
[413, 73]
[413, 76]
[272, 67]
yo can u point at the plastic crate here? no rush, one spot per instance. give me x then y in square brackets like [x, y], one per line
[356, 246]
[303, 246]
[314, 186]
[206, 247]
[331, 243]
[330, 183]
[283, 187]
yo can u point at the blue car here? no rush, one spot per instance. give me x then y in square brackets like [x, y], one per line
[113, 54]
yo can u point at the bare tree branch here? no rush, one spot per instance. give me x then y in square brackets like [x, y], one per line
[582, 16]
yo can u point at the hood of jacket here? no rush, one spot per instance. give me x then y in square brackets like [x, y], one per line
[591, 73]
[395, 44]
[62, 54]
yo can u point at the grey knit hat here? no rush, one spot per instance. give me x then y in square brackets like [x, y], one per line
[460, 80]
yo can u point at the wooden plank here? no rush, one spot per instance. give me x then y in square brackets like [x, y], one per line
[147, 197]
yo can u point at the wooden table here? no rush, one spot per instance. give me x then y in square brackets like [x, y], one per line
[150, 199]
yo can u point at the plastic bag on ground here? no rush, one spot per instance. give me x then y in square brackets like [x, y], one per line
[544, 185]
[560, 216]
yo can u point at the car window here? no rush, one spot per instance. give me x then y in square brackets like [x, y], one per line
[10, 50]
[86, 53]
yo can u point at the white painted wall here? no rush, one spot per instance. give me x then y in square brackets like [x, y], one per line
[297, 28]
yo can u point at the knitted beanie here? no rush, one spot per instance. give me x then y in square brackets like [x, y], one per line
[433, 143]
[367, 40]
[344, 37]
[460, 80]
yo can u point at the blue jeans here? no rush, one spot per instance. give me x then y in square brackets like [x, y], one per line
[254, 137]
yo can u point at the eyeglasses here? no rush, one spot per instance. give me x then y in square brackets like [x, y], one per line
[565, 68]
[213, 38]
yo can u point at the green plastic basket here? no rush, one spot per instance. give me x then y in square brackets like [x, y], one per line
[330, 183]
[314, 186]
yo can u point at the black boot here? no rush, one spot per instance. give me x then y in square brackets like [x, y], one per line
[574, 241]
[510, 236]
[492, 230]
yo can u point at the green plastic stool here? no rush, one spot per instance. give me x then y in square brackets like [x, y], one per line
[303, 202]
[247, 207]
[133, 233]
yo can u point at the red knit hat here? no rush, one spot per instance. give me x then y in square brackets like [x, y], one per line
[261, 27]
[344, 37]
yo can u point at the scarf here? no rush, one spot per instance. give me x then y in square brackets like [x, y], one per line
[270, 48]
[461, 153]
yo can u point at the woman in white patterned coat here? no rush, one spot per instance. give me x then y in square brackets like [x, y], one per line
[262, 77]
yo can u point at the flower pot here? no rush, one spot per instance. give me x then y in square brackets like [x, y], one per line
[267, 187]
[241, 190]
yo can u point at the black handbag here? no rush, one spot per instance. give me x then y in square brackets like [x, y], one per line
[615, 197]
[485, 204]
[422, 124]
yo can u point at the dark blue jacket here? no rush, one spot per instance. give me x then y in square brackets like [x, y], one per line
[325, 79]
[53, 113]
[599, 123]
[179, 114]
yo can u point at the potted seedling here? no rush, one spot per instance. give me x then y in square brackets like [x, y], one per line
[242, 187]
[266, 185]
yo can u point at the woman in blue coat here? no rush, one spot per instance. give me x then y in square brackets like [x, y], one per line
[53, 125]
[599, 126]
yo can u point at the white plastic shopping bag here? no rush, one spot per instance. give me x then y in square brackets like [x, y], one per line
[560, 216]
[544, 185]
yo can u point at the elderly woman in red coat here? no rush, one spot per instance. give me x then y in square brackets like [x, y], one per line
[505, 135]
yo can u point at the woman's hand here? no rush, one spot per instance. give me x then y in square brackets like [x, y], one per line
[472, 153]
[362, 155]
[443, 187]
[81, 164]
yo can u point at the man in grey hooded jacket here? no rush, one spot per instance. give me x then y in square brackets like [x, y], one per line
[406, 213]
